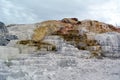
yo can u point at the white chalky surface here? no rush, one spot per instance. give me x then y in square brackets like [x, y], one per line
[59, 67]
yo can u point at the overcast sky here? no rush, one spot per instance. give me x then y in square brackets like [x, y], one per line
[31, 11]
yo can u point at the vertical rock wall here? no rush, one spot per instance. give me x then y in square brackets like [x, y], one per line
[110, 43]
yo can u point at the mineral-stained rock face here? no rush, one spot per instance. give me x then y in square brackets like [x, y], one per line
[80, 34]
[65, 25]
[40, 33]
[70, 20]
[94, 26]
[47, 28]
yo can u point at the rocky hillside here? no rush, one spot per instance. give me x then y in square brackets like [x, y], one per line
[66, 49]
[81, 34]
